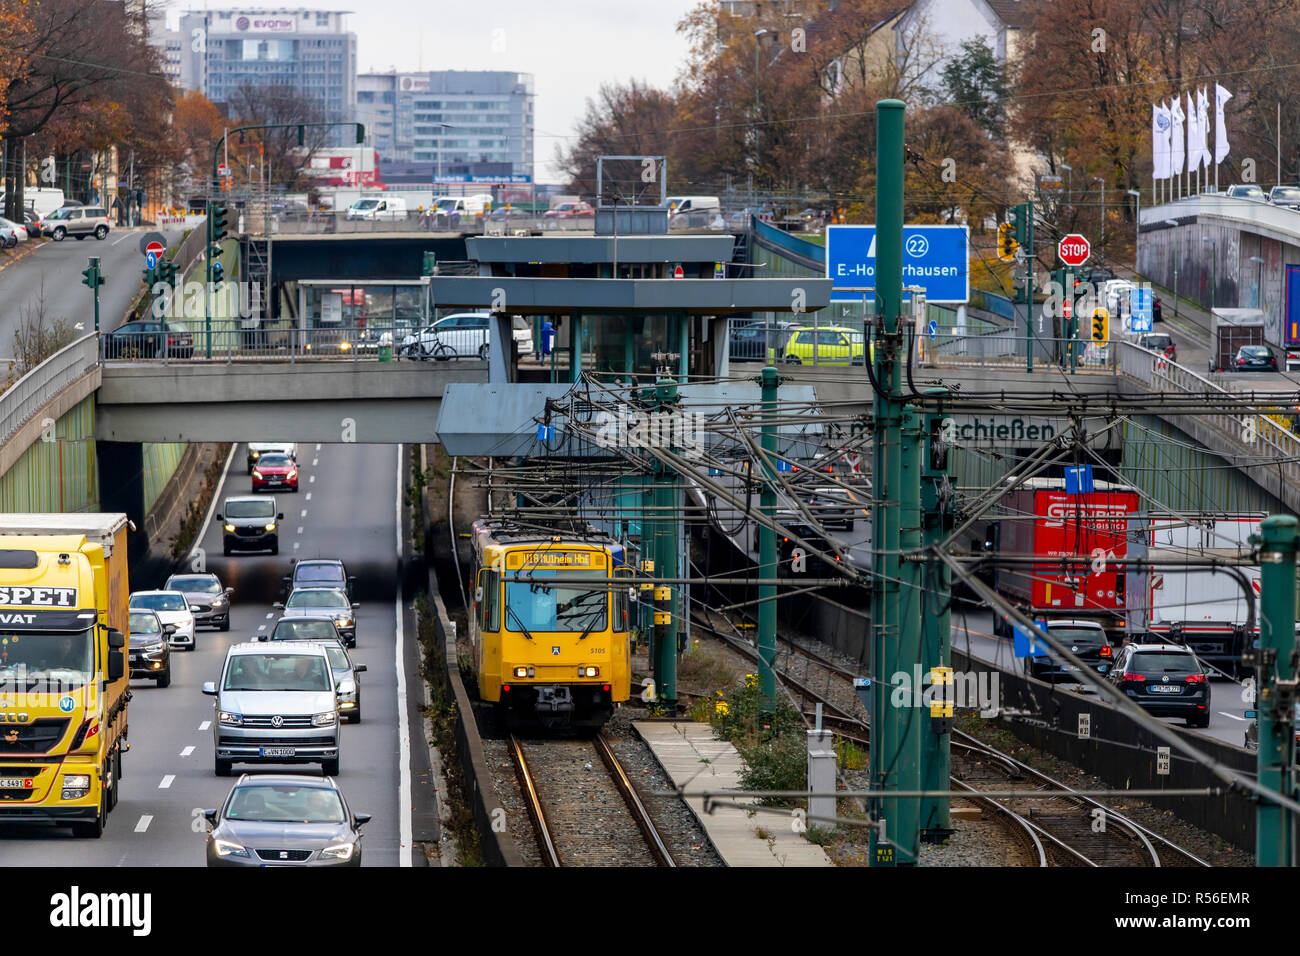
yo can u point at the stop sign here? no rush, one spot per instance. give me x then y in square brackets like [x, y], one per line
[1074, 249]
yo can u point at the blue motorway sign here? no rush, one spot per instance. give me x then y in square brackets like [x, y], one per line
[1140, 312]
[936, 258]
[512, 179]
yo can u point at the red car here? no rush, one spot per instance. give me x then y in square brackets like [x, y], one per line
[570, 210]
[275, 472]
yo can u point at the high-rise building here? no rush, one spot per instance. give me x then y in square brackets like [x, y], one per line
[455, 122]
[217, 51]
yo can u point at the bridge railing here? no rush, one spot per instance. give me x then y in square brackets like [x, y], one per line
[27, 396]
[1005, 349]
[1267, 435]
[251, 340]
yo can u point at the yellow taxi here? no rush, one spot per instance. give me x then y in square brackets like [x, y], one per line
[826, 345]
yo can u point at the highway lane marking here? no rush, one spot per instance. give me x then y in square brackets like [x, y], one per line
[304, 513]
[311, 480]
[318, 447]
[270, 615]
[308, 496]
[261, 627]
[206, 725]
[300, 529]
[125, 235]
[143, 825]
[212, 506]
[314, 462]
[166, 782]
[1224, 713]
[403, 730]
[295, 545]
[187, 751]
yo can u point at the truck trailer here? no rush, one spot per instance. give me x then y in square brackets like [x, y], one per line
[64, 637]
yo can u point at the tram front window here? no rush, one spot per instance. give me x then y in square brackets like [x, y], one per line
[534, 606]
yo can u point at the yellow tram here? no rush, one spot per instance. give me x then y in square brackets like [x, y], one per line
[550, 625]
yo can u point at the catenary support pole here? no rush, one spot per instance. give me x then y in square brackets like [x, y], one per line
[769, 380]
[936, 651]
[1275, 670]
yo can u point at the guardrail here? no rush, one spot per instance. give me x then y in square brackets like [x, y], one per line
[27, 396]
[1004, 349]
[246, 340]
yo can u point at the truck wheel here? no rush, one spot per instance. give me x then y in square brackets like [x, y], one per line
[165, 678]
[330, 768]
[95, 829]
[115, 766]
[222, 768]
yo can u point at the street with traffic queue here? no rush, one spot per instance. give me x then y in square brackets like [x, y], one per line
[348, 507]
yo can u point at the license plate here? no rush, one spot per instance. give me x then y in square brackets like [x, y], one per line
[1165, 689]
[278, 751]
[15, 783]
[1070, 667]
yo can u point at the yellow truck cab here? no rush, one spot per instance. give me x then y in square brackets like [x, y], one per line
[63, 667]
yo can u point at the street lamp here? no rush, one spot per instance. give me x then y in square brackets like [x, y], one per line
[1259, 280]
[1069, 183]
[758, 103]
[1174, 223]
[1098, 179]
[1137, 230]
[1214, 267]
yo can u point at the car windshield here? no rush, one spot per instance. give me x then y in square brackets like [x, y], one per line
[57, 660]
[318, 574]
[285, 803]
[160, 602]
[445, 205]
[1078, 635]
[534, 606]
[326, 597]
[305, 631]
[278, 672]
[1255, 351]
[1163, 662]
[195, 584]
[1159, 341]
[367, 204]
[145, 624]
[1286, 192]
[274, 461]
[250, 509]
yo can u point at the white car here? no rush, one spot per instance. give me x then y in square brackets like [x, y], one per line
[464, 335]
[20, 231]
[173, 609]
[256, 449]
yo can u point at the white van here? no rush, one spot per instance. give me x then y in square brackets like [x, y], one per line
[463, 206]
[678, 205]
[42, 201]
[378, 208]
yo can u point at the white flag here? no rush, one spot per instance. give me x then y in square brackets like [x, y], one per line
[1193, 137]
[1221, 96]
[1176, 141]
[1159, 142]
[1203, 128]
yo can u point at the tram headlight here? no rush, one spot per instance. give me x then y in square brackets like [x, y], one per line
[588, 671]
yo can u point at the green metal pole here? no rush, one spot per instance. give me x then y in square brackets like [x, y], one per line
[911, 723]
[207, 283]
[1275, 669]
[886, 470]
[666, 549]
[1029, 283]
[936, 651]
[767, 547]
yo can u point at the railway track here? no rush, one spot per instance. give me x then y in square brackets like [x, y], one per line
[583, 807]
[1070, 829]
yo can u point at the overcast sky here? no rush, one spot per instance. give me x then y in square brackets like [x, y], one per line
[570, 46]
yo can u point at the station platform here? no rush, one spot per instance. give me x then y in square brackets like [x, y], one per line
[698, 763]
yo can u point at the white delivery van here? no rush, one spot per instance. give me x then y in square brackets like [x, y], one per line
[42, 201]
[463, 206]
[374, 209]
[684, 204]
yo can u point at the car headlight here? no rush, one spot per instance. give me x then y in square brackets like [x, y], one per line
[75, 785]
[257, 454]
[226, 717]
[270, 526]
[324, 720]
[227, 848]
[343, 621]
[339, 851]
[293, 474]
[257, 474]
[230, 527]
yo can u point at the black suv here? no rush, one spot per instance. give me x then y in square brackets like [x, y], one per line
[250, 524]
[150, 653]
[1086, 640]
[1165, 680]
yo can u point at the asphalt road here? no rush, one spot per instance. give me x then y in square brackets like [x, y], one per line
[973, 632]
[54, 270]
[347, 508]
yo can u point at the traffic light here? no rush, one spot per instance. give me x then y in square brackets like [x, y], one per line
[218, 272]
[220, 218]
[150, 277]
[1023, 227]
[1100, 326]
[1006, 242]
[91, 277]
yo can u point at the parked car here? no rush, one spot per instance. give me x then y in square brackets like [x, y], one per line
[569, 211]
[1166, 680]
[275, 703]
[173, 609]
[387, 209]
[149, 338]
[1161, 342]
[284, 820]
[1086, 640]
[1288, 196]
[8, 236]
[828, 345]
[1251, 191]
[150, 654]
[78, 222]
[460, 335]
[19, 229]
[209, 601]
[749, 342]
[1254, 358]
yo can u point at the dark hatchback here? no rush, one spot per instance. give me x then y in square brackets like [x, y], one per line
[149, 653]
[1086, 640]
[1165, 680]
[284, 820]
[1255, 358]
[149, 338]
